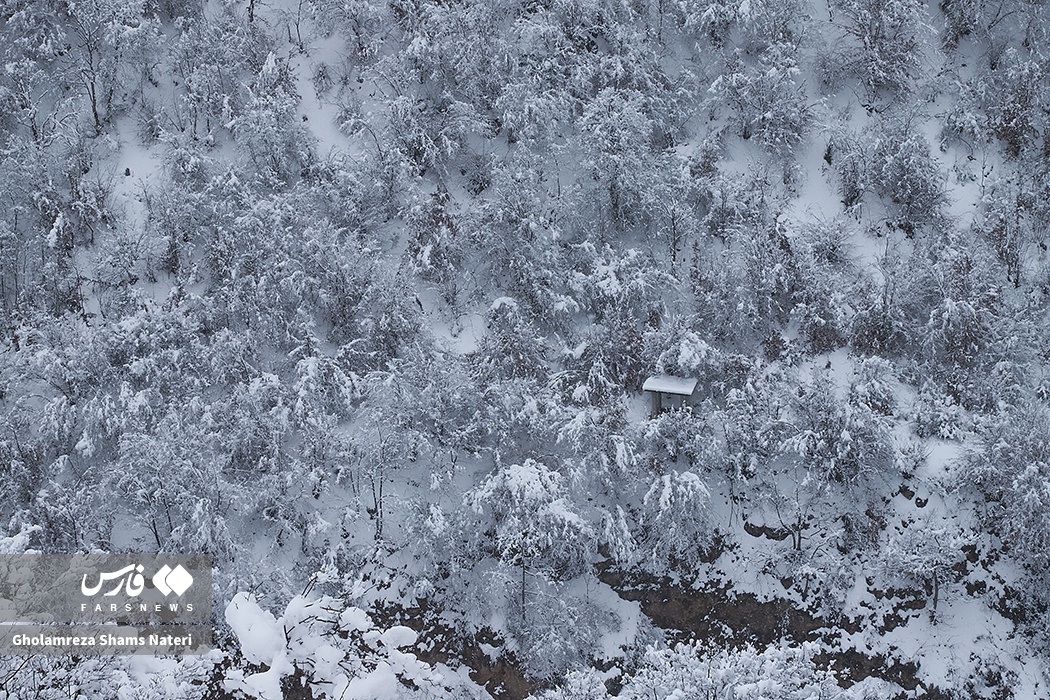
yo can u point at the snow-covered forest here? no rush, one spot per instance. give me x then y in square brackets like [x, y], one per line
[359, 297]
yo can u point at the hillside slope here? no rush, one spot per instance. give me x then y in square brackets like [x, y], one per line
[359, 298]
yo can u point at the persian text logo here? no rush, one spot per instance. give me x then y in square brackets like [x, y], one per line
[166, 580]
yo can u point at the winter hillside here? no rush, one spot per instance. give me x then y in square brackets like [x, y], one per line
[359, 297]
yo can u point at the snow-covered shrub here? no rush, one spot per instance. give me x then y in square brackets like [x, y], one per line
[592, 423]
[823, 576]
[428, 133]
[512, 349]
[878, 330]
[904, 171]
[386, 325]
[192, 516]
[828, 288]
[337, 649]
[357, 21]
[1004, 220]
[938, 415]
[848, 156]
[676, 434]
[1004, 102]
[778, 672]
[822, 319]
[744, 420]
[617, 284]
[208, 93]
[711, 20]
[518, 231]
[679, 350]
[435, 246]
[828, 244]
[113, 42]
[768, 23]
[872, 386]
[770, 273]
[560, 633]
[54, 202]
[736, 205]
[961, 18]
[1015, 101]
[464, 51]
[964, 120]
[672, 211]
[616, 537]
[604, 365]
[616, 139]
[894, 161]
[530, 115]
[130, 678]
[959, 329]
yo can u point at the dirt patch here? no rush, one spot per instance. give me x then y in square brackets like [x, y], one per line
[718, 615]
[852, 666]
[732, 620]
[438, 643]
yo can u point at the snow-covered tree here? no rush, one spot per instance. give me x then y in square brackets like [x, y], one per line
[208, 93]
[1011, 471]
[268, 127]
[768, 98]
[511, 349]
[436, 247]
[885, 42]
[872, 387]
[525, 513]
[108, 35]
[846, 441]
[924, 552]
[675, 521]
[904, 171]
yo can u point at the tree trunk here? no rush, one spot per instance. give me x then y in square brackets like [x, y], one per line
[523, 589]
[936, 596]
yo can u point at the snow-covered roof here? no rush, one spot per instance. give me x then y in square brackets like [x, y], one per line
[666, 384]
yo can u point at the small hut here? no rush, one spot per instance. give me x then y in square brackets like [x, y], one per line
[669, 392]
